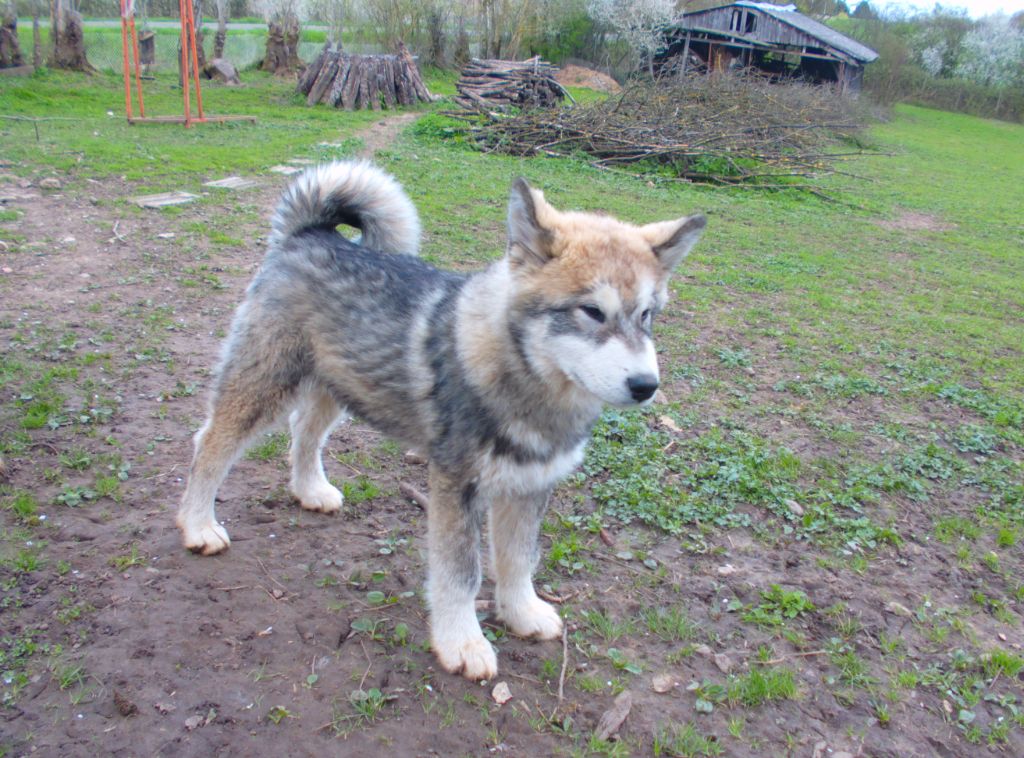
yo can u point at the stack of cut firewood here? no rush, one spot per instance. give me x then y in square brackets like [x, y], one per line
[358, 82]
[493, 84]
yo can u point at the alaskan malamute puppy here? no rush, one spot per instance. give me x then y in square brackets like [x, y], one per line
[498, 376]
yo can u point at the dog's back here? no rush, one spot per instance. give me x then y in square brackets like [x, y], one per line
[348, 315]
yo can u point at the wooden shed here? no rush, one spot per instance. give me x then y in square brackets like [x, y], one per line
[775, 39]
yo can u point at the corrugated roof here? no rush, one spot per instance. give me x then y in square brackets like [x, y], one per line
[788, 14]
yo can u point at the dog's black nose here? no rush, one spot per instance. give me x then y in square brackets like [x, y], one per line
[642, 386]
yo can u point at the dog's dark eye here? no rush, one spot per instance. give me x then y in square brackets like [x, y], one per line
[645, 316]
[594, 312]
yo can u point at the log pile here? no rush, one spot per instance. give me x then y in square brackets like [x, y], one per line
[358, 82]
[496, 85]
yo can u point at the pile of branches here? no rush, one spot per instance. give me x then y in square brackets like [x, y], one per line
[722, 129]
[357, 82]
[494, 84]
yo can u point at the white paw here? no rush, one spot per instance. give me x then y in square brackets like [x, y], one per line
[474, 657]
[533, 618]
[209, 538]
[322, 496]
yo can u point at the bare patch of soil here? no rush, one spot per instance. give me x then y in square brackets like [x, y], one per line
[917, 221]
[572, 75]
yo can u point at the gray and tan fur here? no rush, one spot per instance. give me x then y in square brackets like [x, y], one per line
[498, 376]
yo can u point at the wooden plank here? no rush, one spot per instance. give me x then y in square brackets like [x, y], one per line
[351, 89]
[323, 80]
[333, 96]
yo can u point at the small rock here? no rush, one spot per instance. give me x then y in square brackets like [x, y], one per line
[703, 650]
[897, 609]
[50, 182]
[222, 71]
[624, 555]
[612, 719]
[724, 663]
[414, 458]
[165, 708]
[660, 397]
[727, 570]
[501, 694]
[794, 506]
[669, 423]
[124, 706]
[193, 722]
[662, 683]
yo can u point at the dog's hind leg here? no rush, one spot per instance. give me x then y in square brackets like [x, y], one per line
[314, 416]
[241, 409]
[455, 517]
[514, 526]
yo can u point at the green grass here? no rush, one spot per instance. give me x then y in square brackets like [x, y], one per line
[684, 740]
[777, 606]
[762, 686]
[88, 142]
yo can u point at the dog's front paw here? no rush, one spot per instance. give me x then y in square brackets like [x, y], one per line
[209, 538]
[473, 657]
[323, 497]
[533, 618]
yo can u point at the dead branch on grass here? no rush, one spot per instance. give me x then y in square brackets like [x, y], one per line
[728, 129]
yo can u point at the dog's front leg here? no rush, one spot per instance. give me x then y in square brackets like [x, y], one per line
[455, 515]
[515, 524]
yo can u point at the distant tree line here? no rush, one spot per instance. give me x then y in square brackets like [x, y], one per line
[940, 58]
[944, 59]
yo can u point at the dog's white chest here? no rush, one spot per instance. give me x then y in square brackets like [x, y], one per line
[503, 473]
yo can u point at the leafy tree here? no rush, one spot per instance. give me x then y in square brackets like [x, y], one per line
[639, 23]
[993, 53]
[864, 11]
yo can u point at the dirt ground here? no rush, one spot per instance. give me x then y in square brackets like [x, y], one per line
[155, 651]
[572, 75]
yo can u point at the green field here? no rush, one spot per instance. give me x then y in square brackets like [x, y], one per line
[844, 417]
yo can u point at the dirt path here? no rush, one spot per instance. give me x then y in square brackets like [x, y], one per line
[384, 133]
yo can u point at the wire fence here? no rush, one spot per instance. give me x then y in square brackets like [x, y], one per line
[244, 48]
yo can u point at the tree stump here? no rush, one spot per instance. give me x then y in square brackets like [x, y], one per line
[282, 56]
[10, 50]
[68, 41]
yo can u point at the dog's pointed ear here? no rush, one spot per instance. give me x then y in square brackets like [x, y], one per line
[672, 240]
[529, 243]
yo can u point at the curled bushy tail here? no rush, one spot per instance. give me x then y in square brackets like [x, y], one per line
[354, 193]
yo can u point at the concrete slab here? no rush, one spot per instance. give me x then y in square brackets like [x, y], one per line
[286, 170]
[164, 199]
[231, 183]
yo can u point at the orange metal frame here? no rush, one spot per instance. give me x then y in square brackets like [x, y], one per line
[189, 71]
